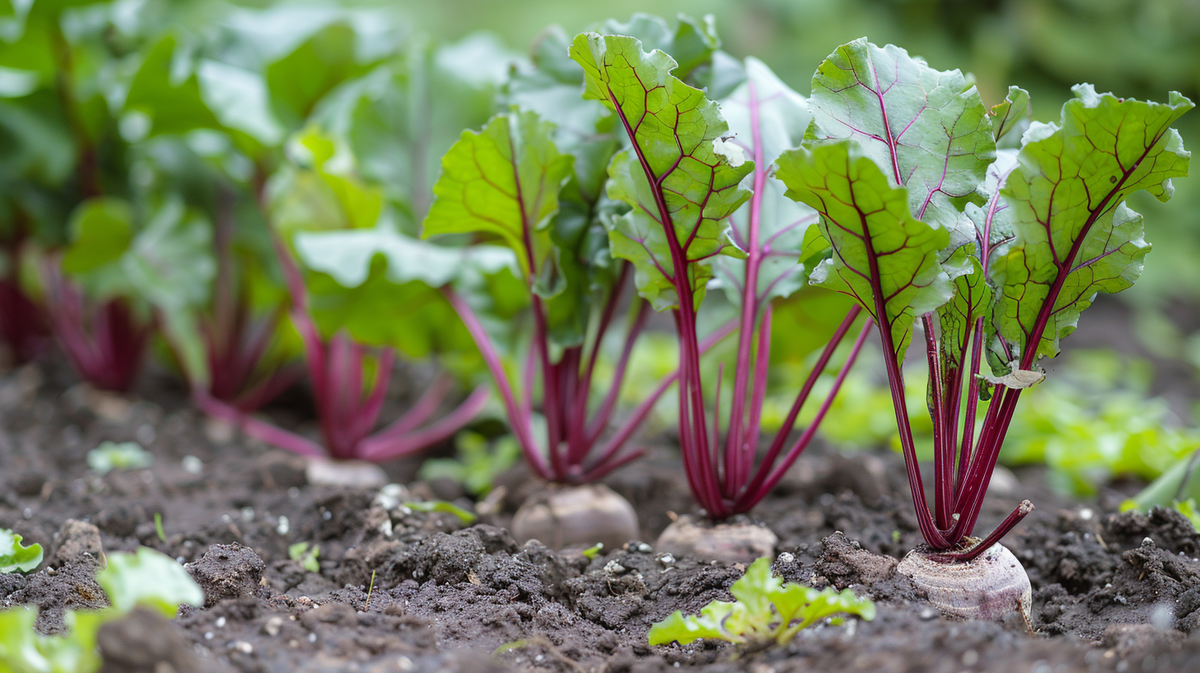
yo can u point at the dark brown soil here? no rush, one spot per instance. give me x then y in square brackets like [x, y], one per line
[405, 591]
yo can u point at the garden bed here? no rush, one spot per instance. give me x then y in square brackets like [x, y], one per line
[1111, 591]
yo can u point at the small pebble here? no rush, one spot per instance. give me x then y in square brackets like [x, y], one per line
[312, 637]
[247, 514]
[1163, 617]
[192, 465]
[970, 658]
[666, 559]
[220, 622]
[208, 635]
[928, 614]
[614, 568]
[284, 526]
[786, 557]
[1086, 514]
[404, 663]
[644, 548]
[1147, 542]
[1121, 599]
[243, 647]
[273, 625]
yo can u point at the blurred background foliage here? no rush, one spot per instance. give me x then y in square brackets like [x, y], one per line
[187, 61]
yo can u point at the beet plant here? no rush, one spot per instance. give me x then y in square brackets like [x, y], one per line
[349, 344]
[683, 177]
[534, 179]
[993, 233]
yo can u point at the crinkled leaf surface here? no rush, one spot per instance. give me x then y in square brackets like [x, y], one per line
[691, 42]
[767, 118]
[680, 190]
[148, 578]
[883, 256]
[928, 127]
[504, 181]
[1074, 236]
[16, 556]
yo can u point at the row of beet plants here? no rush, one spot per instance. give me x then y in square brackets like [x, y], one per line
[212, 184]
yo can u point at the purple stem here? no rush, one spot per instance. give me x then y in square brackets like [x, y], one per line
[943, 457]
[520, 422]
[379, 447]
[255, 428]
[789, 422]
[745, 503]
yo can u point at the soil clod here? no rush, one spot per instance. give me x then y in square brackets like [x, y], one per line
[227, 571]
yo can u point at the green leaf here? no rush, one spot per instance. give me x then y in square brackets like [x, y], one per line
[322, 189]
[768, 118]
[16, 556]
[173, 105]
[148, 578]
[504, 181]
[101, 232]
[307, 555]
[444, 507]
[929, 128]
[239, 101]
[300, 79]
[972, 298]
[1073, 234]
[690, 43]
[586, 129]
[1188, 509]
[680, 189]
[382, 287]
[717, 621]
[1011, 117]
[883, 256]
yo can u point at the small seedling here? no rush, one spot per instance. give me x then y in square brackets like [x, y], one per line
[1188, 509]
[307, 556]
[594, 551]
[370, 590]
[444, 507]
[109, 456]
[16, 557]
[765, 609]
[477, 464]
[158, 527]
[146, 579]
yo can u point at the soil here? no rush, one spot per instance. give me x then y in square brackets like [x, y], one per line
[405, 591]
